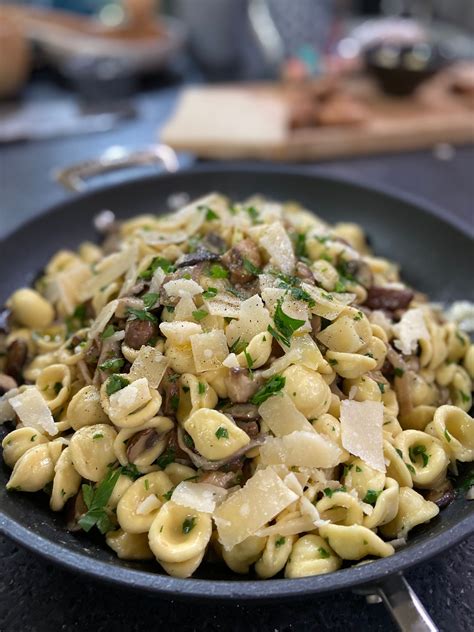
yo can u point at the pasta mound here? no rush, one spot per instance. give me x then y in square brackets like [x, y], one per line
[238, 377]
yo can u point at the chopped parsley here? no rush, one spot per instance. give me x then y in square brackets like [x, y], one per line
[166, 458]
[131, 471]
[359, 316]
[464, 397]
[108, 331]
[418, 450]
[250, 267]
[399, 372]
[280, 542]
[399, 452]
[77, 319]
[340, 287]
[238, 346]
[169, 493]
[300, 245]
[222, 433]
[249, 360]
[149, 300]
[188, 440]
[332, 361]
[381, 386]
[188, 524]
[97, 435]
[157, 262]
[113, 365]
[328, 492]
[96, 500]
[252, 213]
[217, 271]
[115, 383]
[323, 553]
[211, 292]
[210, 214]
[286, 325]
[142, 314]
[201, 388]
[410, 468]
[371, 496]
[358, 469]
[199, 314]
[174, 401]
[33, 438]
[447, 436]
[146, 482]
[274, 385]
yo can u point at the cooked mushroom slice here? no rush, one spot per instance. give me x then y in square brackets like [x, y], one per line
[388, 298]
[139, 333]
[17, 353]
[201, 255]
[143, 447]
[6, 383]
[249, 427]
[236, 260]
[219, 479]
[240, 386]
[443, 495]
[242, 412]
[304, 273]
[359, 271]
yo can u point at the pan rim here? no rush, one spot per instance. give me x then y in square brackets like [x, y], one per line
[249, 590]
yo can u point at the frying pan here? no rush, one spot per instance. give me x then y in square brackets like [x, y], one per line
[435, 256]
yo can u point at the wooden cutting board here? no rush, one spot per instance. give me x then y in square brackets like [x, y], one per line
[248, 121]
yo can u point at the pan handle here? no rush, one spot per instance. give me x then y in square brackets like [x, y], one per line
[402, 602]
[114, 159]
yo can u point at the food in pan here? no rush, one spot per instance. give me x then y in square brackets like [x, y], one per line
[241, 382]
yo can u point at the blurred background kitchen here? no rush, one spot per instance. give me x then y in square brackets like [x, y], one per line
[288, 80]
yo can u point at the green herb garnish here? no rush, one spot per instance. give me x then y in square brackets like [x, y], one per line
[166, 458]
[286, 325]
[222, 433]
[188, 440]
[381, 386]
[238, 346]
[280, 542]
[57, 387]
[217, 271]
[157, 262]
[447, 436]
[199, 314]
[274, 385]
[250, 267]
[399, 372]
[323, 553]
[131, 471]
[97, 435]
[108, 331]
[96, 500]
[188, 524]
[142, 314]
[150, 299]
[418, 450]
[115, 383]
[114, 365]
[211, 292]
[300, 246]
[201, 388]
[371, 496]
[252, 213]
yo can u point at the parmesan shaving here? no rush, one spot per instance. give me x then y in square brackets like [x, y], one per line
[293, 483]
[294, 526]
[185, 308]
[182, 287]
[102, 319]
[157, 280]
[254, 318]
[231, 361]
[306, 449]
[150, 364]
[328, 305]
[149, 504]
[224, 305]
[277, 243]
[282, 417]
[129, 399]
[262, 498]
[409, 330]
[209, 350]
[33, 411]
[65, 287]
[198, 496]
[108, 270]
[361, 431]
[180, 332]
[308, 509]
[6, 411]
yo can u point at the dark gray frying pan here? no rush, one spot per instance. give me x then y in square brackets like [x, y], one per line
[435, 257]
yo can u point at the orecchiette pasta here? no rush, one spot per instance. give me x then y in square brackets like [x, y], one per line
[240, 377]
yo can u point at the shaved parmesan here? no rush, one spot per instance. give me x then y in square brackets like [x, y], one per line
[409, 330]
[308, 509]
[282, 417]
[361, 431]
[33, 411]
[224, 305]
[231, 361]
[130, 278]
[293, 483]
[328, 305]
[293, 526]
[277, 243]
[198, 496]
[102, 319]
[262, 498]
[6, 411]
[254, 318]
[150, 364]
[185, 308]
[179, 332]
[182, 287]
[129, 399]
[149, 504]
[209, 350]
[157, 280]
[65, 287]
[300, 448]
[108, 270]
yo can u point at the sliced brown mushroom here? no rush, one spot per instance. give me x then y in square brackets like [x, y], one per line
[242, 412]
[17, 353]
[250, 427]
[220, 479]
[387, 298]
[139, 332]
[241, 386]
[6, 383]
[141, 442]
[75, 509]
[201, 255]
[305, 273]
[443, 495]
[360, 271]
[235, 261]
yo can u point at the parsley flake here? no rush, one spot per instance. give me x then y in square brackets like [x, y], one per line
[222, 433]
[115, 383]
[217, 271]
[188, 524]
[274, 385]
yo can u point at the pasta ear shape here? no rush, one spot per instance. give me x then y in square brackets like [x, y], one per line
[454, 428]
[129, 546]
[413, 510]
[354, 542]
[311, 555]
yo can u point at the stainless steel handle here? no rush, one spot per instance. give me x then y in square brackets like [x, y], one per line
[402, 602]
[115, 158]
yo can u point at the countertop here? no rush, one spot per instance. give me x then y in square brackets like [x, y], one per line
[37, 596]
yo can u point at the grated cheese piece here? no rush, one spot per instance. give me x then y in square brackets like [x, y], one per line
[198, 496]
[185, 308]
[182, 287]
[328, 304]
[148, 504]
[224, 305]
[209, 350]
[300, 448]
[262, 498]
[231, 361]
[65, 287]
[180, 332]
[157, 280]
[102, 319]
[33, 411]
[409, 330]
[129, 399]
[308, 509]
[150, 364]
[282, 417]
[6, 411]
[130, 277]
[293, 526]
[361, 431]
[277, 243]
[254, 318]
[292, 482]
[108, 270]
